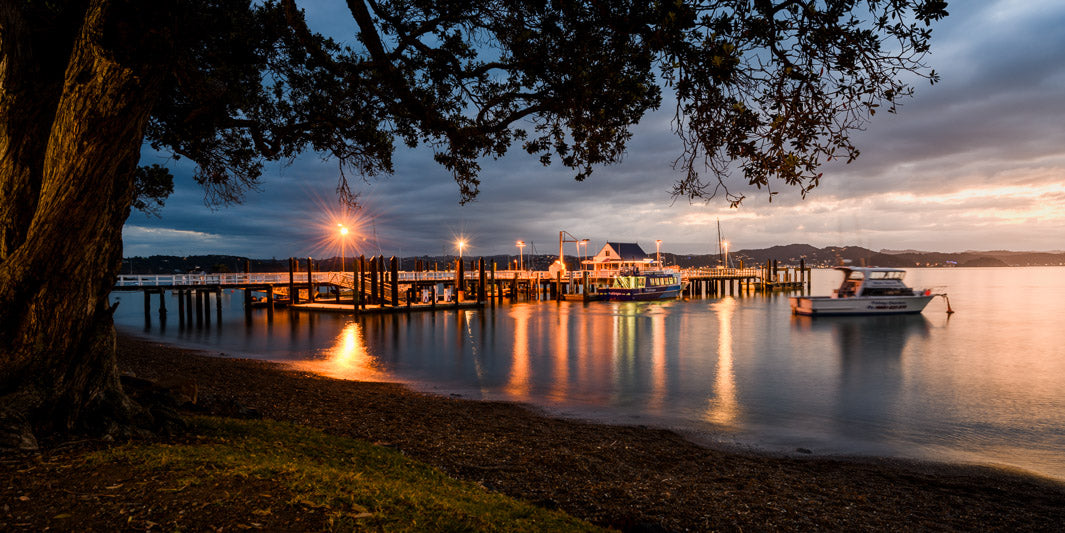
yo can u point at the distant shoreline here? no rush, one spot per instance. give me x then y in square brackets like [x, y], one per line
[790, 255]
[618, 476]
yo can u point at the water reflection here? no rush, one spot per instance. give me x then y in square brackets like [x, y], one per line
[723, 408]
[347, 358]
[560, 380]
[518, 381]
[872, 376]
[985, 384]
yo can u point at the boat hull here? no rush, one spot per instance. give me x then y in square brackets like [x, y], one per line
[664, 292]
[859, 305]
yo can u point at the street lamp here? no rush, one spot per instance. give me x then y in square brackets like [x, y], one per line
[584, 242]
[521, 255]
[461, 244]
[658, 252]
[343, 237]
[724, 245]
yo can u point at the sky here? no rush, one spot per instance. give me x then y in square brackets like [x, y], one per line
[974, 162]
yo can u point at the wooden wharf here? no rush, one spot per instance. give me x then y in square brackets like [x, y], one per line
[376, 285]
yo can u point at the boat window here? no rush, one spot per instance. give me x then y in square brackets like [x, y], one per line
[855, 274]
[848, 288]
[629, 282]
[886, 275]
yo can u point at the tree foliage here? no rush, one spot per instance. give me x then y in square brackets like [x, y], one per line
[771, 88]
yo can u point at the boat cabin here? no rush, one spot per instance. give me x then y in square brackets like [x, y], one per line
[872, 281]
[636, 280]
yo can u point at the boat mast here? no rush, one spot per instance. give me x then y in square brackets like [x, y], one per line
[719, 256]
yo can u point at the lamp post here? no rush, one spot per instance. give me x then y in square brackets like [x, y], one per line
[658, 252]
[584, 242]
[724, 245]
[521, 255]
[343, 237]
[461, 244]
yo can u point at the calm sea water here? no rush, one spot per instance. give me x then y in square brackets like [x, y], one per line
[985, 385]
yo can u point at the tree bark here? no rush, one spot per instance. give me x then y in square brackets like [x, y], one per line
[66, 186]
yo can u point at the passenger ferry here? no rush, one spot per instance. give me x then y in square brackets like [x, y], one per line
[866, 291]
[647, 285]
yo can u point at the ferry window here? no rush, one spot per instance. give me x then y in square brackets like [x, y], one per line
[857, 275]
[886, 275]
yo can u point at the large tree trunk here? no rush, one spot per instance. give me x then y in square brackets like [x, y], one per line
[72, 117]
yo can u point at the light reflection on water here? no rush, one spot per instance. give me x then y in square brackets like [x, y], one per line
[983, 385]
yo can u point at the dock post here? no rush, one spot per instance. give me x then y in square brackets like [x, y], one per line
[432, 301]
[381, 299]
[481, 292]
[188, 307]
[207, 306]
[362, 282]
[459, 280]
[496, 293]
[558, 285]
[584, 285]
[269, 302]
[147, 305]
[373, 280]
[293, 292]
[394, 274]
[311, 290]
[514, 288]
[181, 307]
[218, 302]
[247, 302]
[162, 303]
[199, 307]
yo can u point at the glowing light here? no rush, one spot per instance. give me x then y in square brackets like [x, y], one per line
[348, 358]
[724, 408]
[521, 368]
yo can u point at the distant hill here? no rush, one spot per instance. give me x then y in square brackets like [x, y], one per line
[792, 254]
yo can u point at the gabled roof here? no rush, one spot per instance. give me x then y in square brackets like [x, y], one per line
[629, 251]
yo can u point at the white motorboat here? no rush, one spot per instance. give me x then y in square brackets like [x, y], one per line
[866, 291]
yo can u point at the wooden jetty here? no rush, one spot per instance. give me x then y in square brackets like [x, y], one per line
[376, 285]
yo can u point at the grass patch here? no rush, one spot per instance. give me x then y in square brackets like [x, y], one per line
[352, 484]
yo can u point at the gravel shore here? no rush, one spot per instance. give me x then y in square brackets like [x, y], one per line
[629, 478]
